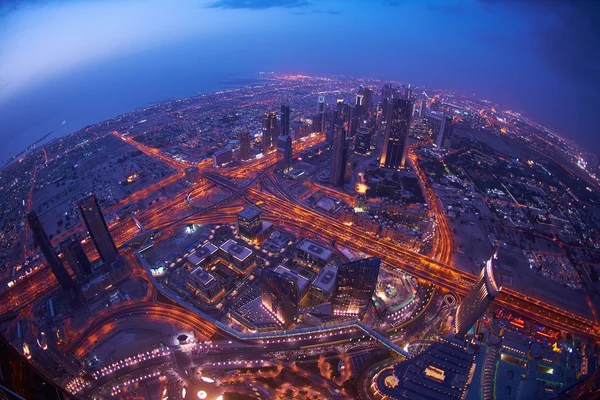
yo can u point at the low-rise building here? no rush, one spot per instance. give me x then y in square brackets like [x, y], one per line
[240, 257]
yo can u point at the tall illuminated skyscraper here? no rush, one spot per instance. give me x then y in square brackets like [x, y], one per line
[269, 130]
[479, 298]
[96, 226]
[395, 143]
[281, 296]
[321, 111]
[338, 154]
[244, 145]
[388, 92]
[366, 98]
[355, 283]
[362, 144]
[443, 133]
[408, 94]
[56, 266]
[285, 121]
[448, 131]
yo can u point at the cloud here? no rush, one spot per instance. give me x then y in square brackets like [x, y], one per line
[258, 4]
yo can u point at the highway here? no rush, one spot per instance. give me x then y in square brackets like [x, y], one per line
[289, 213]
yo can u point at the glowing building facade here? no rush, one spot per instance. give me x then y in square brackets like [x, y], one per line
[479, 298]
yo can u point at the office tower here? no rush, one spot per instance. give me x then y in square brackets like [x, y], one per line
[343, 109]
[395, 143]
[479, 297]
[249, 222]
[269, 131]
[96, 226]
[359, 103]
[362, 143]
[423, 109]
[317, 123]
[448, 131]
[285, 121]
[366, 98]
[442, 127]
[321, 112]
[353, 121]
[280, 296]
[300, 129]
[387, 94]
[349, 168]
[284, 153]
[338, 155]
[436, 123]
[330, 123]
[56, 266]
[76, 258]
[244, 145]
[355, 283]
[408, 94]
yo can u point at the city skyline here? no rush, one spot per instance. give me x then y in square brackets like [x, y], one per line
[272, 207]
[502, 72]
[262, 244]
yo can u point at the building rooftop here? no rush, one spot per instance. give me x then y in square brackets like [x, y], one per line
[249, 213]
[202, 277]
[236, 250]
[202, 253]
[299, 279]
[440, 372]
[325, 281]
[315, 249]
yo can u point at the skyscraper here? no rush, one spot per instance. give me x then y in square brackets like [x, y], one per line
[359, 102]
[244, 145]
[387, 94]
[423, 109]
[479, 297]
[395, 143]
[284, 153]
[408, 94]
[269, 131]
[96, 226]
[362, 144]
[448, 131]
[366, 97]
[442, 130]
[281, 296]
[330, 124]
[321, 112]
[285, 121]
[56, 266]
[353, 121]
[76, 258]
[338, 155]
[436, 124]
[355, 283]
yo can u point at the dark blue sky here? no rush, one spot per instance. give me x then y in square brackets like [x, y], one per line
[87, 60]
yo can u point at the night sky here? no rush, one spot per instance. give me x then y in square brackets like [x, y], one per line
[541, 58]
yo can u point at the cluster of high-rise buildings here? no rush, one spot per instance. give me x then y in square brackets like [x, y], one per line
[353, 121]
[72, 250]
